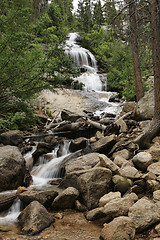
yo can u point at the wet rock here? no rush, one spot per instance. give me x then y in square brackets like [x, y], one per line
[44, 197]
[114, 98]
[82, 163]
[69, 116]
[106, 162]
[92, 184]
[42, 148]
[108, 197]
[104, 145]
[14, 137]
[34, 218]
[121, 184]
[78, 144]
[144, 213]
[119, 207]
[95, 214]
[12, 168]
[6, 201]
[121, 228]
[142, 160]
[66, 199]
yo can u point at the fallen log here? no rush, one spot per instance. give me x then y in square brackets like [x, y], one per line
[96, 124]
[6, 201]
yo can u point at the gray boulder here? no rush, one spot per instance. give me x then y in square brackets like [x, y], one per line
[84, 162]
[12, 168]
[129, 172]
[69, 116]
[145, 106]
[119, 207]
[44, 197]
[121, 228]
[104, 145]
[142, 160]
[92, 184]
[14, 137]
[34, 218]
[66, 199]
[123, 153]
[95, 214]
[78, 144]
[108, 197]
[144, 213]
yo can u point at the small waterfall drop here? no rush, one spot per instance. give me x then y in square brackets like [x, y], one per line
[12, 214]
[49, 167]
[86, 60]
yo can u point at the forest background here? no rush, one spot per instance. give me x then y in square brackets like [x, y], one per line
[32, 58]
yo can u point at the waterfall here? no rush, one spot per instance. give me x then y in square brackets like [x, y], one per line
[12, 214]
[86, 60]
[49, 167]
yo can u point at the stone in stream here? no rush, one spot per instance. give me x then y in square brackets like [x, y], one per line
[12, 168]
[121, 228]
[69, 116]
[34, 218]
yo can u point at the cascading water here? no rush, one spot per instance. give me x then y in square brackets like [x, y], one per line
[90, 78]
[86, 60]
[49, 167]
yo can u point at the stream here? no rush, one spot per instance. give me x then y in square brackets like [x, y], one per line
[94, 86]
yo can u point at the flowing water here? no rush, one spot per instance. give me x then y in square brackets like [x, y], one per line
[90, 78]
[49, 166]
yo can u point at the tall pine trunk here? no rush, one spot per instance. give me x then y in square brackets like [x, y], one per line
[134, 47]
[154, 129]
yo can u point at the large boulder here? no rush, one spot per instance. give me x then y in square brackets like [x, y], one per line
[34, 218]
[12, 168]
[66, 199]
[121, 228]
[154, 168]
[92, 184]
[13, 137]
[145, 106]
[144, 213]
[82, 163]
[44, 197]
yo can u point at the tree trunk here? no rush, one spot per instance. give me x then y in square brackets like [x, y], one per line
[134, 47]
[154, 129]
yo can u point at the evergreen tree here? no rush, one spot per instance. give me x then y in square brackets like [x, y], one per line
[98, 18]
